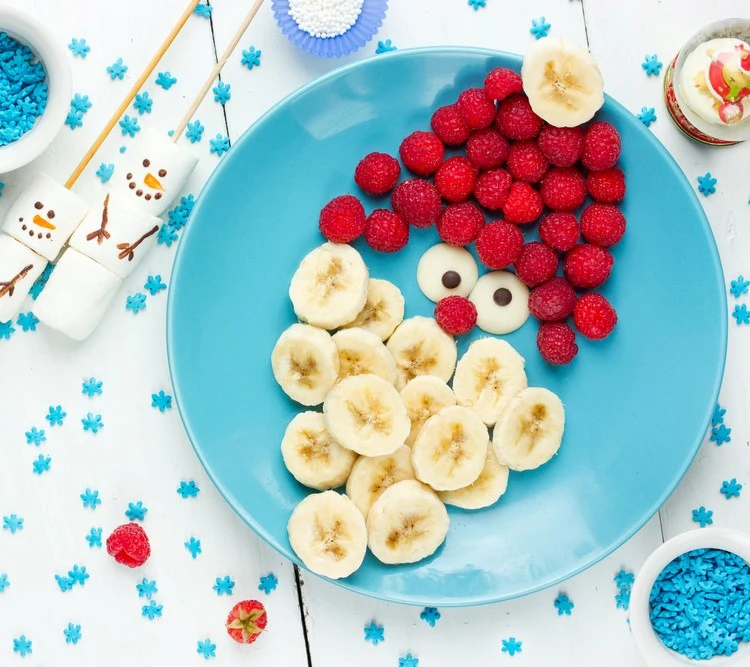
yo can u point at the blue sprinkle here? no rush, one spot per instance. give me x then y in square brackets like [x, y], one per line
[703, 516]
[35, 436]
[117, 70]
[64, 583]
[624, 579]
[223, 586]
[741, 314]
[194, 547]
[739, 287]
[268, 583]
[78, 575]
[251, 57]
[154, 285]
[430, 615]
[92, 423]
[136, 303]
[706, 184]
[41, 464]
[476, 4]
[123, 149]
[72, 634]
[105, 172]
[564, 605]
[188, 489]
[152, 610]
[27, 321]
[92, 387]
[622, 599]
[129, 126]
[718, 416]
[207, 649]
[136, 511]
[731, 488]
[4, 583]
[74, 119]
[94, 538]
[539, 28]
[203, 10]
[22, 646]
[161, 401]
[647, 116]
[651, 65]
[220, 145]
[13, 523]
[408, 661]
[385, 47]
[6, 330]
[166, 236]
[720, 434]
[222, 93]
[194, 131]
[2, 187]
[91, 499]
[512, 646]
[80, 103]
[374, 633]
[79, 48]
[143, 103]
[39, 283]
[146, 588]
[165, 80]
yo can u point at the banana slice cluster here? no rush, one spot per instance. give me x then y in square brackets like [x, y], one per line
[402, 441]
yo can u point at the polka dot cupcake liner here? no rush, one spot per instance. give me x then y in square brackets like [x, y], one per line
[367, 24]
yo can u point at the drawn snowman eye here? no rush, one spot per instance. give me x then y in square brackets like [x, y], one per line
[444, 271]
[51, 214]
[162, 172]
[147, 163]
[502, 302]
[39, 206]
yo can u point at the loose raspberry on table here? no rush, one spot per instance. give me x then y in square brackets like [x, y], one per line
[502, 82]
[556, 342]
[476, 108]
[516, 120]
[487, 149]
[499, 244]
[456, 178]
[523, 205]
[602, 224]
[450, 127]
[422, 152]
[492, 188]
[606, 186]
[418, 202]
[601, 147]
[552, 301]
[563, 188]
[536, 264]
[526, 162]
[562, 146]
[386, 231]
[587, 266]
[246, 621]
[460, 224]
[377, 173]
[559, 230]
[594, 317]
[342, 219]
[456, 315]
[129, 545]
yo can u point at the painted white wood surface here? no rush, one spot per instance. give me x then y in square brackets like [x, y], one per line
[142, 454]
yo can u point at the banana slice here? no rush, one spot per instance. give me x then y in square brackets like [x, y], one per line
[370, 476]
[328, 533]
[562, 81]
[421, 347]
[313, 457]
[450, 450]
[530, 429]
[365, 413]
[329, 288]
[406, 523]
[424, 396]
[362, 352]
[383, 311]
[485, 491]
[488, 377]
[502, 302]
[305, 363]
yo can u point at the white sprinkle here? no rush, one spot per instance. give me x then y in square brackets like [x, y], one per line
[325, 18]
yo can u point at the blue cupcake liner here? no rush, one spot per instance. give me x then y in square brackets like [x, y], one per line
[367, 24]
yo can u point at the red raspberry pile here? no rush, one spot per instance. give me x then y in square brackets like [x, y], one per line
[516, 171]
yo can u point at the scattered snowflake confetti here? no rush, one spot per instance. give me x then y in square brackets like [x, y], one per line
[166, 236]
[4, 583]
[152, 610]
[622, 599]
[92, 387]
[703, 516]
[408, 661]
[143, 103]
[27, 321]
[223, 586]
[91, 499]
[430, 615]
[385, 47]
[74, 119]
[105, 172]
[94, 538]
[718, 416]
[647, 116]
[374, 633]
[41, 464]
[476, 4]
[79, 48]
[251, 57]
[741, 314]
[195, 131]
[129, 126]
[136, 511]
[203, 10]
[268, 583]
[117, 70]
[6, 330]
[207, 649]
[624, 579]
[194, 547]
[564, 605]
[35, 436]
[78, 575]
[739, 287]
[188, 489]
[65, 583]
[146, 588]
[220, 145]
[720, 434]
[731, 488]
[512, 646]
[136, 303]
[706, 184]
[72, 634]
[22, 646]
[80, 103]
[222, 93]
[38, 286]
[539, 27]
[651, 65]
[13, 523]
[154, 285]
[56, 415]
[165, 80]
[92, 423]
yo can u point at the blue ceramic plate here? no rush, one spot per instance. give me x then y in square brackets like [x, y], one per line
[638, 404]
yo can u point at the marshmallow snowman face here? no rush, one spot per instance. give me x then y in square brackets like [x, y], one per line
[44, 216]
[19, 268]
[154, 172]
[116, 233]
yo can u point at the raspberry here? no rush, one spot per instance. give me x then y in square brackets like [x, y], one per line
[516, 120]
[487, 149]
[449, 126]
[476, 108]
[502, 82]
[455, 179]
[460, 224]
[563, 188]
[386, 231]
[342, 219]
[601, 147]
[246, 621]
[553, 301]
[418, 202]
[606, 186]
[129, 545]
[562, 146]
[536, 264]
[456, 315]
[602, 224]
[523, 205]
[557, 343]
[422, 152]
[587, 266]
[594, 317]
[499, 244]
[492, 188]
[526, 162]
[559, 230]
[377, 173]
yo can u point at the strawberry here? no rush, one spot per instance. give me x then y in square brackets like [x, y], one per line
[246, 621]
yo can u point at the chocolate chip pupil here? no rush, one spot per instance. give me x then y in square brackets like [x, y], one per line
[502, 296]
[451, 279]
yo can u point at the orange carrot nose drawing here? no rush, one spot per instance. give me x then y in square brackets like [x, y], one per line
[152, 182]
[43, 222]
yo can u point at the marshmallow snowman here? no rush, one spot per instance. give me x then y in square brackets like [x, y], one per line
[19, 268]
[44, 216]
[116, 234]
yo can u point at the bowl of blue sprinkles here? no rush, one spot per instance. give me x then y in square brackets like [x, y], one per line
[35, 87]
[690, 603]
[329, 28]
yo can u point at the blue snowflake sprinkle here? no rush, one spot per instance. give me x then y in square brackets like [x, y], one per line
[268, 583]
[4, 583]
[154, 285]
[731, 488]
[92, 387]
[739, 287]
[22, 646]
[220, 145]
[539, 27]
[720, 434]
[79, 47]
[74, 119]
[105, 172]
[92, 423]
[94, 538]
[78, 575]
[718, 416]
[385, 47]
[703, 516]
[222, 93]
[564, 605]
[35, 436]
[223, 586]
[647, 116]
[187, 202]
[80, 103]
[622, 599]
[6, 330]
[511, 646]
[706, 184]
[161, 401]
[27, 321]
[13, 523]
[123, 149]
[251, 57]
[2, 187]
[476, 4]
[38, 286]
[188, 489]
[91, 499]
[129, 126]
[165, 80]
[178, 218]
[166, 236]
[741, 314]
[41, 464]
[136, 511]
[143, 103]
[72, 634]
[624, 579]
[194, 131]
[374, 633]
[146, 588]
[651, 65]
[64, 583]
[207, 649]
[408, 661]
[194, 547]
[203, 10]
[117, 70]
[152, 610]
[430, 615]
[136, 303]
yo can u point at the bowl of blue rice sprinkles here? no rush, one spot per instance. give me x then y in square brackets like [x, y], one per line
[35, 87]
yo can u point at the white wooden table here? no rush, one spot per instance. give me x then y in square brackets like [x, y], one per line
[143, 455]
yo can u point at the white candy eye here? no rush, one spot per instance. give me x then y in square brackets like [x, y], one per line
[445, 271]
[502, 302]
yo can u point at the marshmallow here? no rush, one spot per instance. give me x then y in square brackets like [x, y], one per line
[19, 268]
[44, 216]
[116, 234]
[77, 295]
[154, 172]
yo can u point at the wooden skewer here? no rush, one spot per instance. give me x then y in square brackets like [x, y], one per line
[131, 95]
[216, 70]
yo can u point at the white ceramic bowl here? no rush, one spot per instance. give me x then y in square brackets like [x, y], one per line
[30, 30]
[653, 651]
